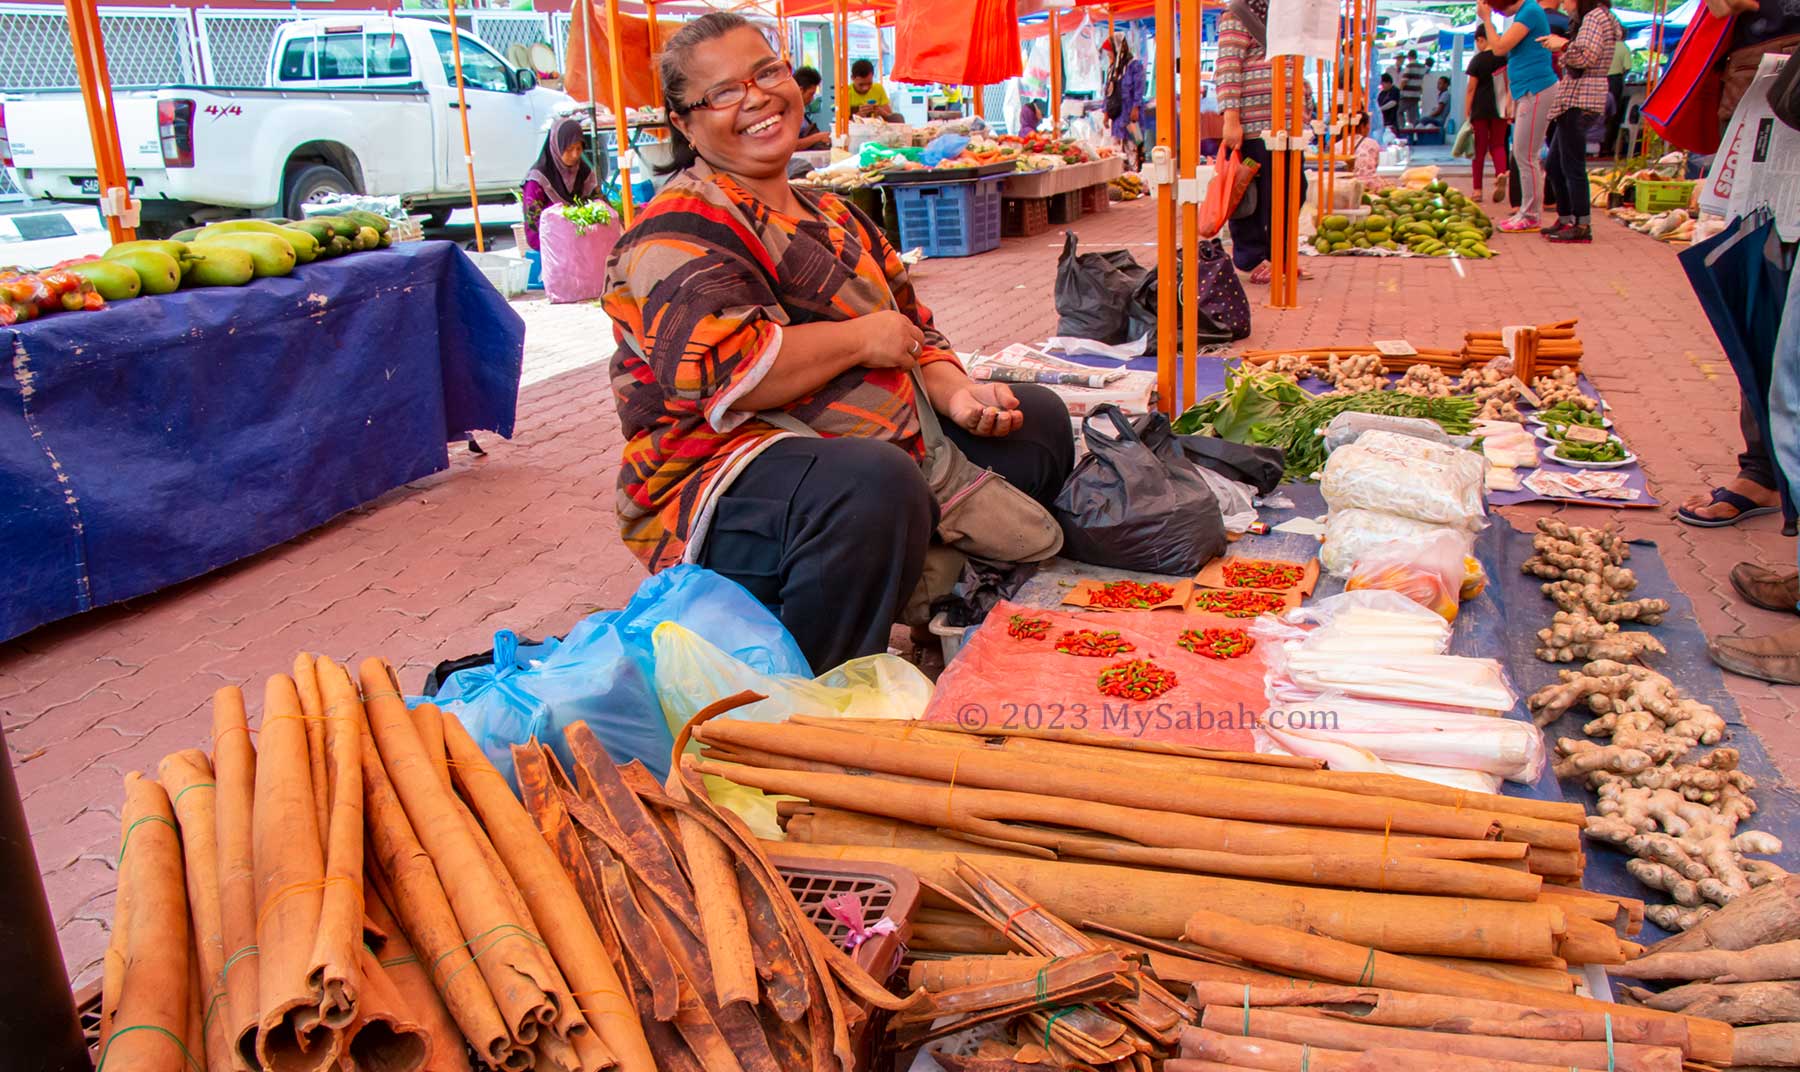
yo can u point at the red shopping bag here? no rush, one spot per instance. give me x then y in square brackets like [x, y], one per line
[1224, 192]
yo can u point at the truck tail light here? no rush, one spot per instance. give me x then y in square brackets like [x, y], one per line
[6, 157]
[175, 129]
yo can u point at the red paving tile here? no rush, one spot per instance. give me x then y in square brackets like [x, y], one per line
[524, 537]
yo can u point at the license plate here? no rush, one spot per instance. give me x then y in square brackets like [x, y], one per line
[92, 186]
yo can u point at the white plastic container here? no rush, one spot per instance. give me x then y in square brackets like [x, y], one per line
[506, 272]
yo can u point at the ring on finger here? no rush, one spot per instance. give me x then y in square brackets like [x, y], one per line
[914, 349]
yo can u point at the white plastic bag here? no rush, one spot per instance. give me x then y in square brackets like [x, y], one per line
[1359, 621]
[1349, 426]
[1372, 475]
[1351, 533]
[1449, 452]
[692, 673]
[1237, 502]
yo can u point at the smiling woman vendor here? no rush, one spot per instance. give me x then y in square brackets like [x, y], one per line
[763, 378]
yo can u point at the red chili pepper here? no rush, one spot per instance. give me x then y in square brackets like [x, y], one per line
[1217, 643]
[1128, 595]
[1020, 627]
[1256, 573]
[1238, 603]
[1138, 679]
[1094, 644]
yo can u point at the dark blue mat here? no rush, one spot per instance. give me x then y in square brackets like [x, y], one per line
[160, 438]
[1503, 623]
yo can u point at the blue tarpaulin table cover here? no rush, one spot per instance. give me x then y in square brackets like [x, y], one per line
[160, 438]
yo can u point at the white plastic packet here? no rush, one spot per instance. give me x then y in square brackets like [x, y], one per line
[1351, 533]
[1346, 428]
[1373, 476]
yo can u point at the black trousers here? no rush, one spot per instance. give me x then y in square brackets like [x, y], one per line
[1756, 463]
[831, 534]
[1566, 174]
[1250, 242]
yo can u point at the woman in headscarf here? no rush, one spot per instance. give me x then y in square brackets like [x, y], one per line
[1125, 98]
[560, 176]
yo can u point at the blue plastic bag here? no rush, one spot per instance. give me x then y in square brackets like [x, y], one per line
[942, 148]
[604, 671]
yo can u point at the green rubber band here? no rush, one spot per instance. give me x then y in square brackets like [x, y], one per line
[1055, 1016]
[1611, 1058]
[176, 803]
[1246, 1010]
[211, 1007]
[473, 957]
[1367, 978]
[231, 961]
[163, 1031]
[125, 842]
[1305, 1058]
[410, 958]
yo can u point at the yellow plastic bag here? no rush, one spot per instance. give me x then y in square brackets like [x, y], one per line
[692, 673]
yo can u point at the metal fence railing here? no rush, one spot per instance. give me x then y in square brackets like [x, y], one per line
[235, 44]
[143, 46]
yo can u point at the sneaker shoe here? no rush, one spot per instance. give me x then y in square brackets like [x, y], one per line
[1519, 225]
[1576, 233]
[1556, 228]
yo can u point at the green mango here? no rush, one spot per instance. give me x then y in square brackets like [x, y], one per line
[306, 247]
[320, 231]
[114, 281]
[186, 236]
[269, 254]
[157, 272]
[177, 250]
[220, 264]
[1378, 223]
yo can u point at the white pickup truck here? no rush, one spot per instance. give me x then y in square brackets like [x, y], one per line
[354, 104]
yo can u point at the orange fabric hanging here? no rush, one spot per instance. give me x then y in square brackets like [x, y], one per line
[640, 83]
[957, 42]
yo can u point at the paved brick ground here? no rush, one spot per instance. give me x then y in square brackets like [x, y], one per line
[524, 537]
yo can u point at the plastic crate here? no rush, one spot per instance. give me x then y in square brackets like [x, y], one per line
[1094, 199]
[506, 272]
[951, 220]
[886, 893]
[1661, 195]
[1065, 207]
[1022, 217]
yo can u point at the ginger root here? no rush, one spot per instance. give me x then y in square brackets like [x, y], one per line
[1676, 918]
[1427, 380]
[1584, 574]
[1576, 635]
[1353, 374]
[1612, 688]
[1561, 385]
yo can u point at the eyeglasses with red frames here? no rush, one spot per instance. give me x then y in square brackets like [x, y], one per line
[770, 76]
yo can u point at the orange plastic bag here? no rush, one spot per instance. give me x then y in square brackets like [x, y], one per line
[634, 46]
[1230, 179]
[1431, 572]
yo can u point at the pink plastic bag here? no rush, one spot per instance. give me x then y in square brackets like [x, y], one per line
[574, 262]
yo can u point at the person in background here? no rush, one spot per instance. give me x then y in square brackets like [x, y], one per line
[1412, 89]
[1387, 98]
[1367, 156]
[1031, 115]
[1428, 89]
[869, 98]
[560, 176]
[1482, 105]
[1247, 97]
[1580, 100]
[1124, 99]
[1532, 81]
[1615, 96]
[811, 137]
[1439, 115]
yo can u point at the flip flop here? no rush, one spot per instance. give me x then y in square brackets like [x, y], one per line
[1746, 508]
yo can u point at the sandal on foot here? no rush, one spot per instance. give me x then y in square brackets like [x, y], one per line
[1745, 506]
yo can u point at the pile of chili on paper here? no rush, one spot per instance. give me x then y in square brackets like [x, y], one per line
[1130, 595]
[1217, 643]
[1137, 679]
[1019, 627]
[1238, 603]
[1257, 573]
[1099, 645]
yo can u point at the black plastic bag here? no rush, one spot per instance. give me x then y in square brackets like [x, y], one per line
[1135, 502]
[1784, 95]
[1094, 291]
[1259, 467]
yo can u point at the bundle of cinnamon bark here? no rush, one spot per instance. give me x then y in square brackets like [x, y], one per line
[351, 884]
[1557, 345]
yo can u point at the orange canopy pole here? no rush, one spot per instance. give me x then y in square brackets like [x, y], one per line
[781, 24]
[840, 32]
[103, 129]
[1188, 148]
[1327, 156]
[1166, 262]
[880, 48]
[1278, 164]
[1056, 74]
[655, 44]
[462, 111]
[1297, 156]
[621, 127]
